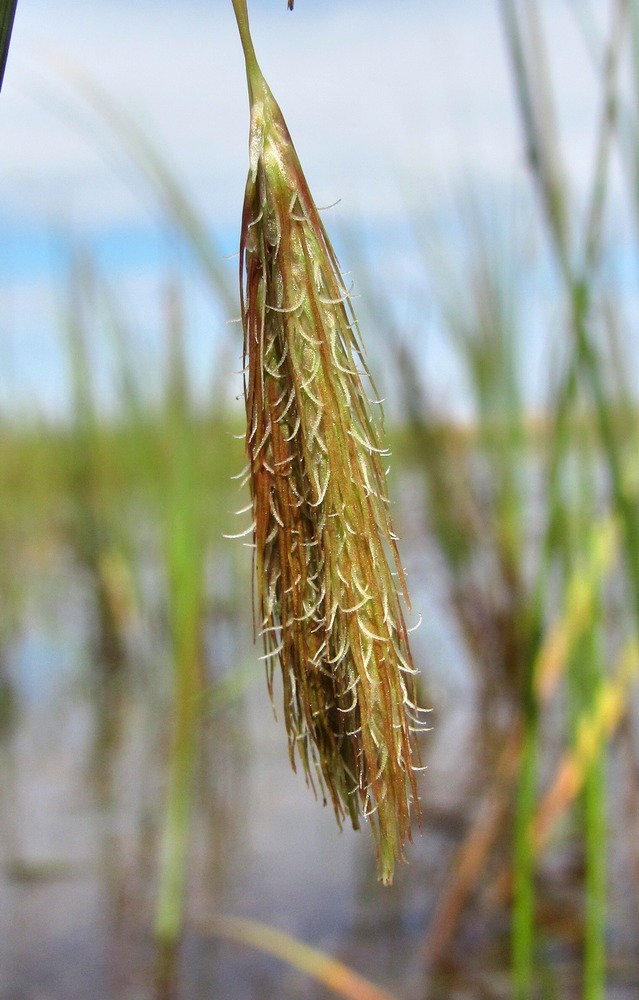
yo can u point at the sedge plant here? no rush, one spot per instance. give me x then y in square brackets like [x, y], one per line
[329, 581]
[577, 260]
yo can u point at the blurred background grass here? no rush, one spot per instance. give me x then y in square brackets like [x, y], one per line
[145, 783]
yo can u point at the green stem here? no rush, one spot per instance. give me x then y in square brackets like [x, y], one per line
[541, 145]
[595, 821]
[168, 920]
[185, 570]
[608, 124]
[577, 287]
[625, 506]
[523, 920]
[253, 72]
[576, 284]
[586, 678]
[523, 944]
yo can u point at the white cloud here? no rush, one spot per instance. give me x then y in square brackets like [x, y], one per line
[386, 102]
[371, 91]
[368, 89]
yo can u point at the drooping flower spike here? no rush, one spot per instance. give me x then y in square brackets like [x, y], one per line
[328, 603]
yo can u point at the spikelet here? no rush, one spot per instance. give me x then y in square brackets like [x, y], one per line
[328, 605]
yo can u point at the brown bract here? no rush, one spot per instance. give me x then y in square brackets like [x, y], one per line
[328, 603]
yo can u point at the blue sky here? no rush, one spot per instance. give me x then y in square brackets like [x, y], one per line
[369, 93]
[390, 105]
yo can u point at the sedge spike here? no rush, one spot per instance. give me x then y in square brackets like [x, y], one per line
[329, 582]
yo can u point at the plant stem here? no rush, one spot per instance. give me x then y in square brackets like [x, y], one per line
[523, 944]
[577, 281]
[595, 822]
[253, 71]
[577, 285]
[178, 806]
[185, 569]
[586, 678]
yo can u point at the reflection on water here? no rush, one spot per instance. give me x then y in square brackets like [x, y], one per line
[79, 842]
[80, 818]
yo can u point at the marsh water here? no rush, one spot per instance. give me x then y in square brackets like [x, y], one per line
[82, 769]
[82, 800]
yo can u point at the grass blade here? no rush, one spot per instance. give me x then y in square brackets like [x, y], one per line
[339, 978]
[594, 729]
[185, 557]
[163, 178]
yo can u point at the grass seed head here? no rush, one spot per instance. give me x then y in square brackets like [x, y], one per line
[328, 603]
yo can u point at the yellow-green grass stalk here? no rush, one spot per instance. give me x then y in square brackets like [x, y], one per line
[594, 729]
[328, 603]
[578, 279]
[339, 978]
[184, 555]
[527, 52]
[582, 769]
[588, 576]
[584, 676]
[587, 677]
[581, 601]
